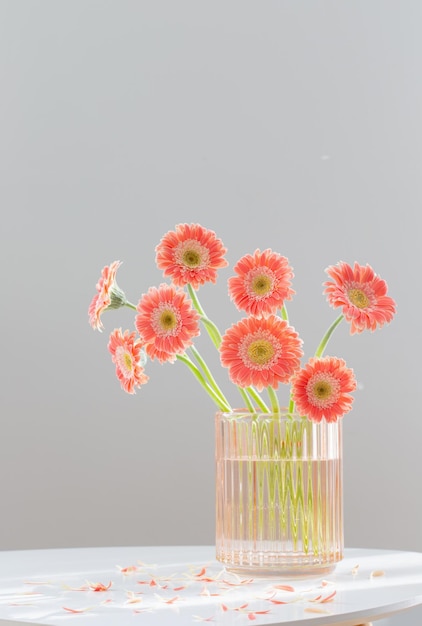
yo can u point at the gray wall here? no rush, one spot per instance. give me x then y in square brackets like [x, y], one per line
[293, 125]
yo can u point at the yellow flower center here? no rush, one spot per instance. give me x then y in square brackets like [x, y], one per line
[261, 285]
[358, 298]
[168, 320]
[191, 258]
[322, 390]
[260, 351]
[127, 361]
[191, 255]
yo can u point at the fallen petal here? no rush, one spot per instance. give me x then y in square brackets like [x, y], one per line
[284, 587]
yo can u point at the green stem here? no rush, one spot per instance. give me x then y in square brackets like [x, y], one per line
[291, 407]
[284, 313]
[130, 305]
[274, 400]
[215, 336]
[259, 401]
[320, 350]
[211, 328]
[195, 371]
[245, 396]
[195, 300]
[209, 376]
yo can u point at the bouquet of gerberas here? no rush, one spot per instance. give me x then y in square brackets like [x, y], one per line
[262, 349]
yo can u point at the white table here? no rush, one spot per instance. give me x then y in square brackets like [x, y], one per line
[178, 586]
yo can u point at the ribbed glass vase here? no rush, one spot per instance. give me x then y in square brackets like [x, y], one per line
[279, 494]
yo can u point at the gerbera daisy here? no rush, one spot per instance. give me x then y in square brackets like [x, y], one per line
[166, 322]
[262, 284]
[190, 254]
[322, 389]
[109, 295]
[261, 352]
[126, 354]
[361, 294]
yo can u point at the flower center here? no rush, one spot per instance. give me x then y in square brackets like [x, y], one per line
[260, 351]
[191, 258]
[192, 255]
[127, 361]
[358, 298]
[261, 285]
[124, 361]
[168, 320]
[323, 390]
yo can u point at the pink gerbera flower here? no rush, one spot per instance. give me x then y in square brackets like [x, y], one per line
[126, 353]
[362, 295]
[190, 254]
[322, 389]
[261, 352]
[166, 321]
[262, 284]
[109, 295]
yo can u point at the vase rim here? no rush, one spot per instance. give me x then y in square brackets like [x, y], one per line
[258, 414]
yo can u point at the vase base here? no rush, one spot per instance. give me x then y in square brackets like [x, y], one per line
[281, 572]
[274, 566]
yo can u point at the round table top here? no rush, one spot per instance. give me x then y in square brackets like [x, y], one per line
[181, 585]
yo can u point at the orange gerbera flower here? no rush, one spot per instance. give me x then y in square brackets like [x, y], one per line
[262, 284]
[166, 322]
[362, 295]
[109, 295]
[261, 352]
[190, 254]
[322, 389]
[126, 354]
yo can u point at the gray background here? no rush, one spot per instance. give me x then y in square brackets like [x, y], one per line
[293, 125]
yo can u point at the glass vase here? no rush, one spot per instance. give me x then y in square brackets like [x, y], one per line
[279, 494]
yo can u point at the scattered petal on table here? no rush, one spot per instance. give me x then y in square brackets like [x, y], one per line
[88, 608]
[153, 565]
[252, 615]
[284, 587]
[168, 600]
[99, 586]
[152, 582]
[277, 601]
[238, 583]
[206, 592]
[131, 569]
[329, 598]
[314, 609]
[132, 598]
[201, 573]
[240, 608]
[321, 599]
